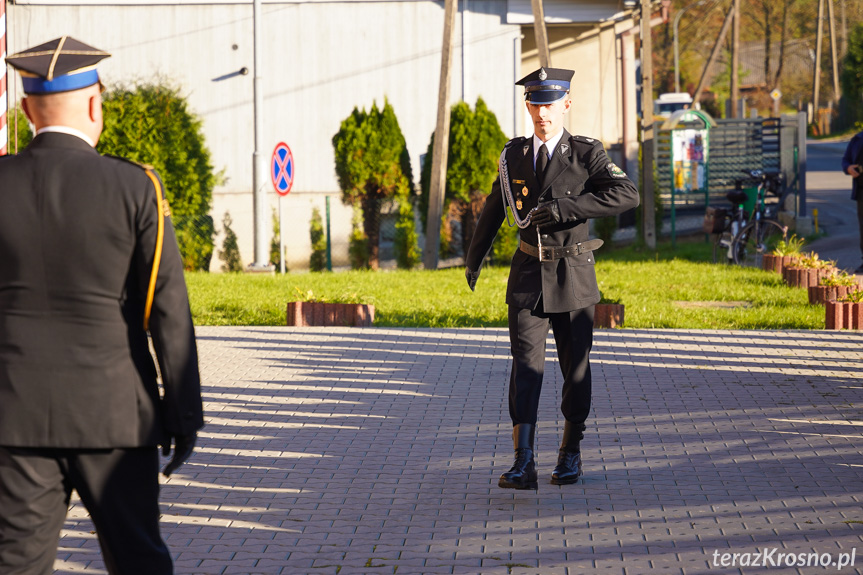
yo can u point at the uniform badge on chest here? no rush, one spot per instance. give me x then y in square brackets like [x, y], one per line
[524, 191]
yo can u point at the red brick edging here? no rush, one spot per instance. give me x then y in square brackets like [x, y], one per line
[312, 313]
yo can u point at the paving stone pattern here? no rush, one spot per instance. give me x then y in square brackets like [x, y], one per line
[339, 450]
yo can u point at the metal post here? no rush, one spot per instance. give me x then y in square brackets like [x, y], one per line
[281, 238]
[259, 168]
[441, 144]
[735, 60]
[329, 243]
[648, 211]
[801, 164]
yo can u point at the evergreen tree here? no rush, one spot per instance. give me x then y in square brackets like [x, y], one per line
[373, 166]
[406, 243]
[230, 252]
[318, 259]
[475, 143]
[152, 124]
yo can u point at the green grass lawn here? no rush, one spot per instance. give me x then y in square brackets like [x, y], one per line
[663, 289]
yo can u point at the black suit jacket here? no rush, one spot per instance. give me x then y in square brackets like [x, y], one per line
[77, 243]
[586, 184]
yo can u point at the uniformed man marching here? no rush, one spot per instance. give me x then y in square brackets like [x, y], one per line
[88, 265]
[554, 183]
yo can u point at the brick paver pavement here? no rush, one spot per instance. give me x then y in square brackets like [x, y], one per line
[378, 451]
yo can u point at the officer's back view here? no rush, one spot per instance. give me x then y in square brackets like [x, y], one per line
[88, 263]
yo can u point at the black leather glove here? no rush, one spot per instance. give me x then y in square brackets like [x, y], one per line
[546, 214]
[471, 277]
[183, 447]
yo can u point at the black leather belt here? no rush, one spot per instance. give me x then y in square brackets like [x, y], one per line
[548, 253]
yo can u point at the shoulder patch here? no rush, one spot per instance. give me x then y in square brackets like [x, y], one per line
[614, 171]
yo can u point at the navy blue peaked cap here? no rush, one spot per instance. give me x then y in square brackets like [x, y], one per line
[61, 65]
[546, 85]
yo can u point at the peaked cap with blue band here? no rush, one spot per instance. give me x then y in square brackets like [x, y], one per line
[546, 85]
[61, 65]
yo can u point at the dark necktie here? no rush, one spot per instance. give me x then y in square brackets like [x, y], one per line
[541, 164]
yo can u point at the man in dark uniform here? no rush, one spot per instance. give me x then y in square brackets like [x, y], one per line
[553, 183]
[88, 264]
[852, 164]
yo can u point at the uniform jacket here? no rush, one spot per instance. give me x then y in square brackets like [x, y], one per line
[586, 185]
[77, 243]
[854, 155]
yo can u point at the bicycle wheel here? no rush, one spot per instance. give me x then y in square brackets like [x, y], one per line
[756, 239]
[722, 248]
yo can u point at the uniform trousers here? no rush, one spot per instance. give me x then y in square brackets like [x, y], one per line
[860, 216]
[573, 336]
[119, 488]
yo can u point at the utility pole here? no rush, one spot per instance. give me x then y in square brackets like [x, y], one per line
[833, 55]
[262, 252]
[541, 33]
[735, 58]
[713, 54]
[816, 80]
[441, 143]
[648, 210]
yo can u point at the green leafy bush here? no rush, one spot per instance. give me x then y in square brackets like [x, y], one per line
[604, 228]
[19, 132]
[840, 278]
[791, 247]
[406, 241]
[152, 124]
[318, 259]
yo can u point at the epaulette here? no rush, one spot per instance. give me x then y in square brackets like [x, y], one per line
[514, 141]
[133, 162]
[584, 140]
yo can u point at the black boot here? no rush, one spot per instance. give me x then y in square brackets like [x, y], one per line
[568, 468]
[522, 475]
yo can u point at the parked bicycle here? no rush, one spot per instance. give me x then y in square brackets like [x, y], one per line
[743, 238]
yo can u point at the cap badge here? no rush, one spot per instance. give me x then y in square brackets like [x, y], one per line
[542, 74]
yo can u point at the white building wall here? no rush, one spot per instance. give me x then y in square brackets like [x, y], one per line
[321, 60]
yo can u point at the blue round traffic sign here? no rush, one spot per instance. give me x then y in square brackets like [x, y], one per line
[282, 169]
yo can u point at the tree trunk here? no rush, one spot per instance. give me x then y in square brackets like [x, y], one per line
[372, 226]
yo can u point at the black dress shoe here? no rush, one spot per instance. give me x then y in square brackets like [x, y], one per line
[568, 468]
[522, 474]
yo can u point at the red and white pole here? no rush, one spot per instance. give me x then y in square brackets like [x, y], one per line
[4, 138]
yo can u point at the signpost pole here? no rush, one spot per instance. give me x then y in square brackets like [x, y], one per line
[281, 238]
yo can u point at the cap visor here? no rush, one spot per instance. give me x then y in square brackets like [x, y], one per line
[544, 96]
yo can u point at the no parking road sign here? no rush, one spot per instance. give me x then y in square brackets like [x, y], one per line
[282, 169]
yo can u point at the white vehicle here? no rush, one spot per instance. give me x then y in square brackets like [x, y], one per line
[669, 103]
